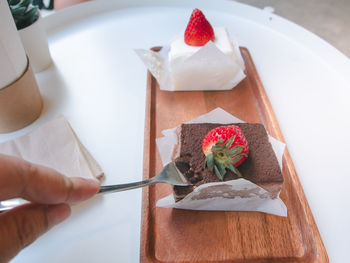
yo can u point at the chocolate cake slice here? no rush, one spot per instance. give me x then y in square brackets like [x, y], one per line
[261, 167]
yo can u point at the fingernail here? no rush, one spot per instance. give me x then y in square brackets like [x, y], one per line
[57, 214]
[93, 181]
[83, 189]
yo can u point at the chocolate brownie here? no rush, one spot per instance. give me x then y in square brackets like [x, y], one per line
[261, 167]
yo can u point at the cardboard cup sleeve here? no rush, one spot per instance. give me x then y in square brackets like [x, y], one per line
[20, 102]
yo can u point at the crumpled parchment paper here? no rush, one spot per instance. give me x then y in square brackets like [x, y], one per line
[255, 197]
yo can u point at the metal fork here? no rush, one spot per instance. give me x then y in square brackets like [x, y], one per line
[168, 175]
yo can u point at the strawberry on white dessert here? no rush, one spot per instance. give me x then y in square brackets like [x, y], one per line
[204, 58]
[180, 51]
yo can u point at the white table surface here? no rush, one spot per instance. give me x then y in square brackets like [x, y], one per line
[99, 84]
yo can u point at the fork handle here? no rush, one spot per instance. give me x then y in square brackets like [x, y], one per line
[103, 190]
[123, 187]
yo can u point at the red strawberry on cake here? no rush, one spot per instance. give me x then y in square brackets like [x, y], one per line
[225, 147]
[198, 31]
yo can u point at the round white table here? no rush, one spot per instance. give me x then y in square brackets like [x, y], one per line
[98, 83]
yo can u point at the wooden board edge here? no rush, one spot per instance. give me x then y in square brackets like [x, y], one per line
[145, 215]
[274, 130]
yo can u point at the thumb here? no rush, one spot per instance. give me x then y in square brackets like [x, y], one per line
[22, 225]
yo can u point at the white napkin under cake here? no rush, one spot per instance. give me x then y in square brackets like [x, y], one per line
[55, 145]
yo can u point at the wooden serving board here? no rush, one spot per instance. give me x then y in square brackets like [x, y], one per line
[173, 235]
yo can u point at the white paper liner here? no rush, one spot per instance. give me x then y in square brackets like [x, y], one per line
[255, 197]
[207, 69]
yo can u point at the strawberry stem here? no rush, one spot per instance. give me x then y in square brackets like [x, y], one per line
[223, 157]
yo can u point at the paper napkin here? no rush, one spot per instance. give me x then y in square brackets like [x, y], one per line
[55, 145]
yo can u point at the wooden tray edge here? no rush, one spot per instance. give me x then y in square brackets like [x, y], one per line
[320, 255]
[275, 131]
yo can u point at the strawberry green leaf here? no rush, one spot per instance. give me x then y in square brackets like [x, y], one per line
[222, 169]
[220, 141]
[235, 150]
[209, 161]
[217, 148]
[234, 170]
[236, 159]
[229, 142]
[218, 174]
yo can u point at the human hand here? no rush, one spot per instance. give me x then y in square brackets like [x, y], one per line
[50, 194]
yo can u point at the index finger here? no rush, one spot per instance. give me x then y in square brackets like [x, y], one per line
[19, 178]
